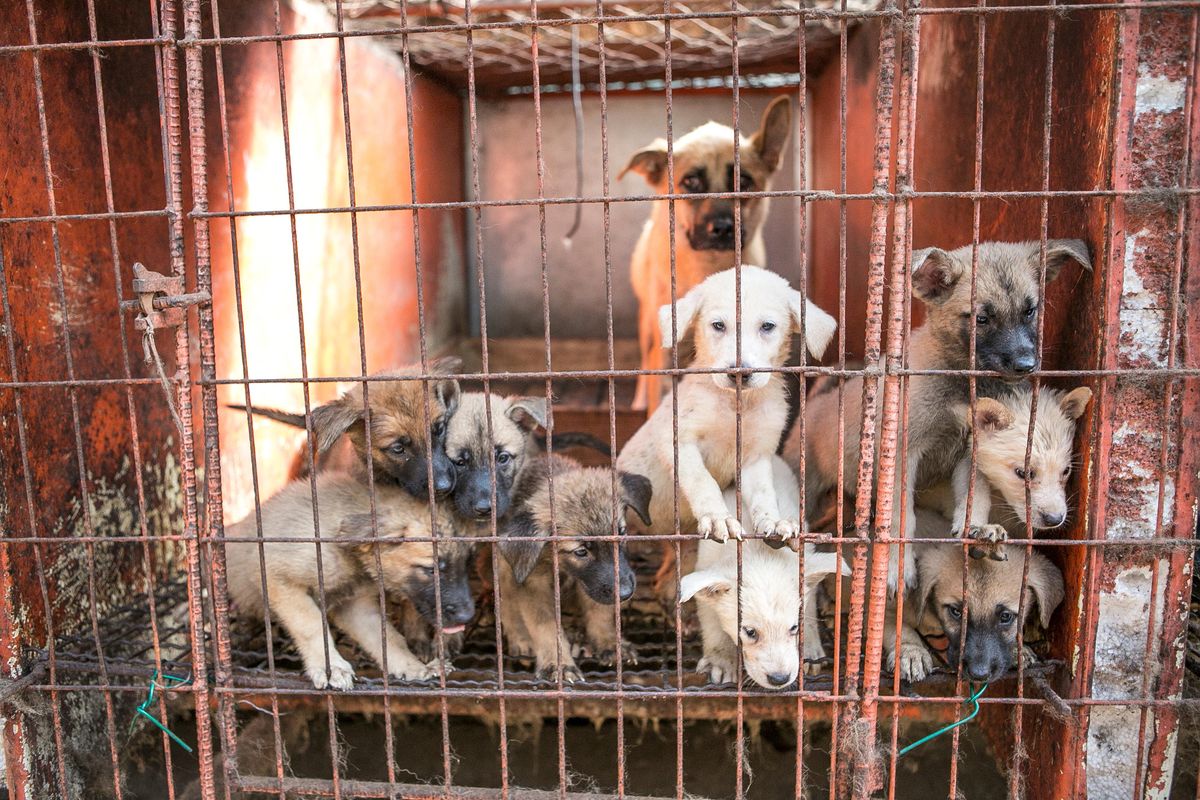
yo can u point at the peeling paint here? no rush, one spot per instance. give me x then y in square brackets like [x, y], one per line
[1158, 93]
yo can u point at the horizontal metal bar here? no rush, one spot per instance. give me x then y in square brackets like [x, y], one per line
[104, 216]
[411, 791]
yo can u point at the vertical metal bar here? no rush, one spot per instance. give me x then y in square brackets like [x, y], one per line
[801, 174]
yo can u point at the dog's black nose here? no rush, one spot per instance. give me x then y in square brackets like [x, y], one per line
[779, 679]
[1022, 364]
[721, 227]
[980, 670]
[442, 484]
[482, 508]
[1052, 520]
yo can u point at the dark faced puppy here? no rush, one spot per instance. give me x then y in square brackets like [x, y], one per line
[407, 567]
[598, 571]
[1007, 299]
[992, 605]
[511, 447]
[398, 428]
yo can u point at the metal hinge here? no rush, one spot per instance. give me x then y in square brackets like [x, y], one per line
[161, 301]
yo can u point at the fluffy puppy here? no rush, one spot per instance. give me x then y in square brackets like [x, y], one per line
[398, 430]
[707, 446]
[595, 572]
[770, 596]
[512, 443]
[704, 227]
[348, 572]
[1001, 428]
[993, 598]
[1005, 313]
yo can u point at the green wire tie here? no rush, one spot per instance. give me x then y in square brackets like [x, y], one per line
[171, 682]
[973, 700]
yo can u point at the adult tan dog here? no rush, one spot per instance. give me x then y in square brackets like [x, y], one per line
[704, 227]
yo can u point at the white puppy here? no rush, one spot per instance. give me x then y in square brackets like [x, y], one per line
[770, 600]
[707, 447]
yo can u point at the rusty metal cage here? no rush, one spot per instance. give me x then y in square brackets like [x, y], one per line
[311, 188]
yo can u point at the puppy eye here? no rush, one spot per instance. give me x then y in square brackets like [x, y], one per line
[439, 428]
[1029, 312]
[751, 634]
[396, 448]
[503, 457]
[954, 611]
[718, 326]
[747, 183]
[794, 630]
[981, 319]
[1020, 472]
[428, 569]
[692, 183]
[1006, 617]
[462, 461]
[767, 327]
[1066, 473]
[580, 552]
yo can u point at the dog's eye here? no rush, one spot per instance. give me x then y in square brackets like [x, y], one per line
[981, 319]
[503, 457]
[747, 183]
[1020, 472]
[1006, 617]
[1029, 312]
[439, 428]
[954, 611]
[427, 569]
[1066, 473]
[463, 460]
[794, 630]
[693, 183]
[767, 327]
[396, 448]
[718, 326]
[751, 634]
[580, 552]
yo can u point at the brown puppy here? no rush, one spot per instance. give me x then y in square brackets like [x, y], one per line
[398, 430]
[595, 572]
[704, 228]
[1007, 304]
[348, 572]
[993, 598]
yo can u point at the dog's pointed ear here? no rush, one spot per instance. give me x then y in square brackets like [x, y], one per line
[935, 274]
[818, 328]
[636, 491]
[927, 575]
[650, 162]
[1060, 251]
[991, 416]
[333, 419]
[520, 553]
[1046, 583]
[1076, 402]
[446, 391]
[686, 309]
[772, 135]
[528, 412]
[709, 584]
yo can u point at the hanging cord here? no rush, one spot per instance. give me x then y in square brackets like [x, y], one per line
[577, 103]
[169, 682]
[973, 700]
[150, 354]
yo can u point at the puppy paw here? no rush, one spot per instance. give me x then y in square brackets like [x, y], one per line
[340, 675]
[570, 672]
[719, 670]
[718, 528]
[991, 538]
[608, 655]
[914, 663]
[776, 530]
[412, 669]
[1028, 657]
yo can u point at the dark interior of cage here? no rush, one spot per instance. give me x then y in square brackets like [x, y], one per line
[500, 266]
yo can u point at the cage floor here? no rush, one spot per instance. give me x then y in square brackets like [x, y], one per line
[660, 668]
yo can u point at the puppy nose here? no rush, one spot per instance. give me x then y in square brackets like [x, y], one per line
[626, 590]
[779, 678]
[442, 484]
[721, 226]
[1023, 364]
[979, 671]
[482, 507]
[1052, 520]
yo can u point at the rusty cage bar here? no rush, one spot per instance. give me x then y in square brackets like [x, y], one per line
[306, 192]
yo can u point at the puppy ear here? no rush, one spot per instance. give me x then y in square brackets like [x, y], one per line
[521, 555]
[709, 584]
[528, 412]
[935, 274]
[929, 563]
[774, 132]
[636, 491]
[686, 309]
[336, 417]
[1060, 251]
[650, 162]
[991, 416]
[1046, 583]
[819, 327]
[1076, 402]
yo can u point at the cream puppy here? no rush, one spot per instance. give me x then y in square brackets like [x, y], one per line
[771, 312]
[770, 601]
